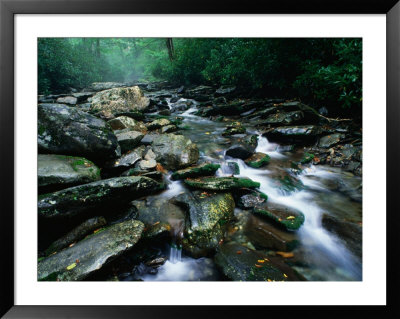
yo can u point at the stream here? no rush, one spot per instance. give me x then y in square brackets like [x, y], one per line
[321, 255]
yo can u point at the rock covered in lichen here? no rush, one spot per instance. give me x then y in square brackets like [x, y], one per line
[117, 100]
[89, 197]
[68, 131]
[60, 171]
[258, 160]
[208, 212]
[91, 254]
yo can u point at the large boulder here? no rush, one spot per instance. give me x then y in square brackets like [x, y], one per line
[89, 197]
[117, 100]
[91, 254]
[240, 263]
[67, 131]
[208, 212]
[175, 151]
[60, 171]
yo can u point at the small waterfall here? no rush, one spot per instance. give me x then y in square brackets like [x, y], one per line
[177, 227]
[264, 146]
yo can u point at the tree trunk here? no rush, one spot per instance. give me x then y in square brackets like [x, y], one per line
[170, 47]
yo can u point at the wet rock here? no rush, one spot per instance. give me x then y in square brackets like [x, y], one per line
[287, 183]
[290, 218]
[125, 122]
[302, 133]
[239, 263]
[127, 160]
[284, 118]
[168, 129]
[258, 160]
[91, 254]
[76, 234]
[208, 212]
[165, 112]
[234, 130]
[60, 171]
[175, 151]
[160, 217]
[242, 151]
[221, 183]
[199, 93]
[147, 164]
[330, 140]
[252, 199]
[350, 233]
[156, 124]
[86, 198]
[206, 169]
[129, 140]
[265, 235]
[149, 138]
[68, 131]
[117, 100]
[180, 90]
[67, 100]
[307, 158]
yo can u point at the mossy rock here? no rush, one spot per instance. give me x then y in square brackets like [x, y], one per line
[289, 218]
[288, 183]
[221, 183]
[307, 158]
[234, 130]
[206, 169]
[258, 160]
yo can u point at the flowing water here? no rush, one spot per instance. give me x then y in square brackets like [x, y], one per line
[328, 256]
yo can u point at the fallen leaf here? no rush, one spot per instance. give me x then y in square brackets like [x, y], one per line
[284, 254]
[77, 261]
[261, 261]
[72, 266]
[258, 266]
[239, 252]
[290, 217]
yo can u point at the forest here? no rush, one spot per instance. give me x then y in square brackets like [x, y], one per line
[200, 159]
[322, 72]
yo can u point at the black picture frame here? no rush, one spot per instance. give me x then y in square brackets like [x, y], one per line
[9, 8]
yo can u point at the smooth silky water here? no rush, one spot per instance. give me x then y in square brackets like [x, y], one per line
[329, 258]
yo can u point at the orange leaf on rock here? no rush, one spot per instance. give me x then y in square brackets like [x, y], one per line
[285, 254]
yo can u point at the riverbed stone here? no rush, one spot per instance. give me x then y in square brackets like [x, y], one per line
[240, 263]
[125, 122]
[263, 234]
[158, 123]
[68, 131]
[257, 160]
[168, 129]
[76, 234]
[284, 118]
[205, 169]
[242, 151]
[88, 197]
[175, 151]
[118, 100]
[330, 140]
[71, 100]
[300, 133]
[208, 212]
[289, 218]
[64, 171]
[221, 183]
[91, 254]
[128, 140]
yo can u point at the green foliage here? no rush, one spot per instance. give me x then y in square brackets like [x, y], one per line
[322, 72]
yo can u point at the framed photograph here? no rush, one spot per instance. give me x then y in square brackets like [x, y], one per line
[179, 159]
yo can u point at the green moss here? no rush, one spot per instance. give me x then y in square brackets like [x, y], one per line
[257, 163]
[202, 170]
[290, 224]
[41, 129]
[307, 158]
[221, 183]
